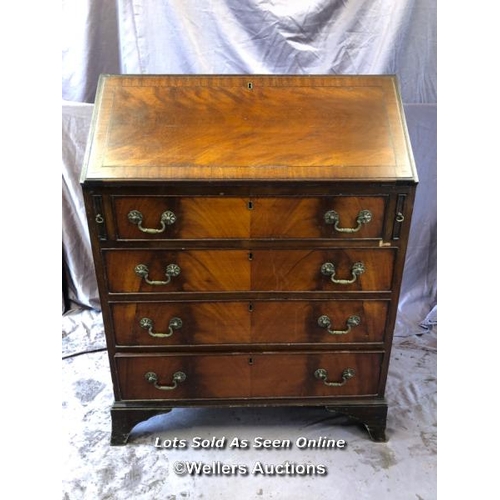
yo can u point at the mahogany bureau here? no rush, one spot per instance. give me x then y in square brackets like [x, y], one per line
[249, 238]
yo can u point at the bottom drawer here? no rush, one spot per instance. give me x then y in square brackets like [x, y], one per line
[250, 375]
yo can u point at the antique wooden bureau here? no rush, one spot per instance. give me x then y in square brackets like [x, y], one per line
[249, 238]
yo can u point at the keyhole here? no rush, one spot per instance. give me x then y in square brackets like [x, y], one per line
[250, 85]
[250, 256]
[250, 205]
[250, 307]
[250, 361]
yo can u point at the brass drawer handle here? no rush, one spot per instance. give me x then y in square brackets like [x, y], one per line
[167, 219]
[174, 324]
[325, 322]
[328, 269]
[177, 378]
[171, 271]
[332, 217]
[322, 374]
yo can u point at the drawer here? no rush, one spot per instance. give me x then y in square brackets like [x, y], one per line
[242, 376]
[157, 271]
[341, 217]
[263, 322]
[319, 321]
[185, 217]
[335, 270]
[181, 323]
[160, 271]
[166, 218]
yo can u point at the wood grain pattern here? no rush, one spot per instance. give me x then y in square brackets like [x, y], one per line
[258, 375]
[201, 270]
[304, 217]
[248, 322]
[249, 165]
[254, 217]
[203, 128]
[259, 270]
[299, 270]
[239, 128]
[197, 217]
[203, 323]
[296, 322]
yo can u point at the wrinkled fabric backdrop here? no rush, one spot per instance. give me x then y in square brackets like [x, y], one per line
[253, 37]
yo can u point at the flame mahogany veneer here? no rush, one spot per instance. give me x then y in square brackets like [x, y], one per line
[249, 236]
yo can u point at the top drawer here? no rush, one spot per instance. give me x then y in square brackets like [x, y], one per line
[170, 217]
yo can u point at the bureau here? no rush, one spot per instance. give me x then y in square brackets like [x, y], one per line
[249, 238]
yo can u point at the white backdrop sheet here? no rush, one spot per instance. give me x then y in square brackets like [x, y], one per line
[250, 36]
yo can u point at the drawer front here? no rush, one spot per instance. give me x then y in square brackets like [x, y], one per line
[335, 270]
[259, 375]
[188, 218]
[261, 270]
[282, 322]
[181, 323]
[341, 217]
[204, 270]
[167, 218]
[319, 322]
